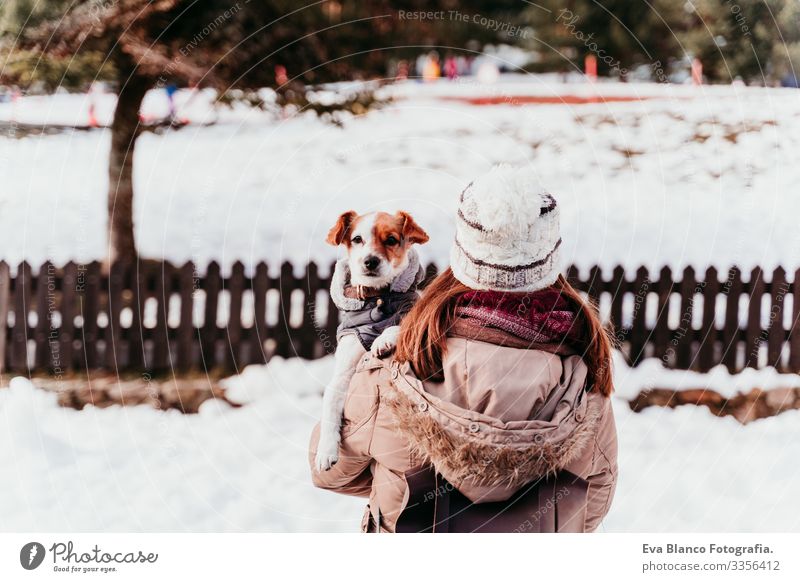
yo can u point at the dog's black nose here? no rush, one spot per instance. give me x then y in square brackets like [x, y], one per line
[371, 262]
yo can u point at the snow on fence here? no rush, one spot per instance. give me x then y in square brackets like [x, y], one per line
[156, 317]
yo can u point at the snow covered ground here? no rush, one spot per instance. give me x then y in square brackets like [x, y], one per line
[245, 469]
[688, 176]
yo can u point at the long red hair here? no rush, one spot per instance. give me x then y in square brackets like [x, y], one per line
[423, 332]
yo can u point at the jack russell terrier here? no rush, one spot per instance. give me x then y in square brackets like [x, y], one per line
[373, 287]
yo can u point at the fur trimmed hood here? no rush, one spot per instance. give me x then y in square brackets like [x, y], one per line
[489, 442]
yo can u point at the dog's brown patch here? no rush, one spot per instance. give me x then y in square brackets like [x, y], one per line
[340, 232]
[411, 230]
[392, 235]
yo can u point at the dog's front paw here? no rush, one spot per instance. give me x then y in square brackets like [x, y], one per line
[385, 343]
[327, 454]
[382, 348]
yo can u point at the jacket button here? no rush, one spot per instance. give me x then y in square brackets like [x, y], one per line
[579, 416]
[395, 373]
[538, 438]
[423, 406]
[473, 427]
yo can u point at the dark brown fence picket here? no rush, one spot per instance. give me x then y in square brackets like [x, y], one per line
[661, 333]
[186, 334]
[430, 273]
[308, 329]
[708, 334]
[69, 309]
[283, 336]
[45, 298]
[753, 333]
[617, 295]
[684, 333]
[163, 292]
[776, 334]
[259, 331]
[731, 333]
[236, 286]
[19, 335]
[89, 287]
[89, 318]
[639, 333]
[209, 333]
[595, 285]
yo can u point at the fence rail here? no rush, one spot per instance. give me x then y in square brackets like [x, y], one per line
[156, 316]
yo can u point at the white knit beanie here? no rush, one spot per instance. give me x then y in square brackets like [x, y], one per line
[507, 233]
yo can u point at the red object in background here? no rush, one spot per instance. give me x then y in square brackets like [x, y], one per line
[92, 116]
[94, 89]
[697, 72]
[590, 67]
[451, 68]
[281, 78]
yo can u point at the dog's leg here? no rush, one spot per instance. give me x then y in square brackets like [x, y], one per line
[386, 342]
[348, 353]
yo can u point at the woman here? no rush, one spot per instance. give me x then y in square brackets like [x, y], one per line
[494, 413]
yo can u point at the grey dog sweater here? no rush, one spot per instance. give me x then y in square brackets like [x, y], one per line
[368, 318]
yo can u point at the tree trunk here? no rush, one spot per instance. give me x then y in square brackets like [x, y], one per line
[125, 128]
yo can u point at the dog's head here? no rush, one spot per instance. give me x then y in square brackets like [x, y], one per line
[377, 244]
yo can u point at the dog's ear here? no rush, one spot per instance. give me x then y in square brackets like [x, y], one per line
[338, 233]
[412, 232]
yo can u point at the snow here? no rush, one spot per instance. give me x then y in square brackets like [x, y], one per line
[139, 469]
[650, 373]
[685, 470]
[245, 469]
[690, 176]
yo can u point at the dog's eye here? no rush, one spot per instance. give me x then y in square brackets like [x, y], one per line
[357, 240]
[390, 241]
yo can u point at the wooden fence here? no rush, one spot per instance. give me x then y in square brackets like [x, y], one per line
[157, 317]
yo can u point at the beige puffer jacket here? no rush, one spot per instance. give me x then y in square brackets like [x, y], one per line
[502, 418]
